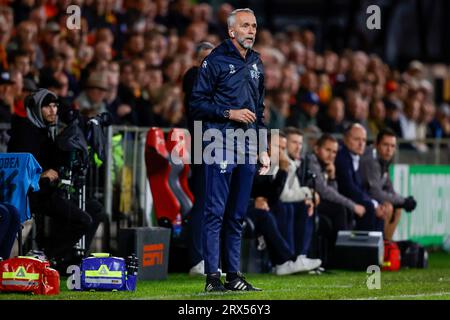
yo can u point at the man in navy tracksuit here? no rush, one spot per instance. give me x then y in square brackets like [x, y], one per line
[229, 94]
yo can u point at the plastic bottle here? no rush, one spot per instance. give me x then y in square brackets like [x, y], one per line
[177, 226]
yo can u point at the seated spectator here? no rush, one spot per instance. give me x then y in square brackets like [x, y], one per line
[350, 181]
[305, 115]
[121, 111]
[333, 205]
[91, 101]
[332, 120]
[279, 109]
[266, 194]
[29, 86]
[409, 124]
[392, 120]
[128, 89]
[16, 89]
[427, 115]
[357, 109]
[374, 168]
[295, 209]
[440, 126]
[377, 117]
[6, 97]
[21, 62]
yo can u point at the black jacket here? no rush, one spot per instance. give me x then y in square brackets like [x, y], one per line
[269, 187]
[5, 112]
[25, 137]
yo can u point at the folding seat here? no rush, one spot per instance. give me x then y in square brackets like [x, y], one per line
[157, 162]
[176, 144]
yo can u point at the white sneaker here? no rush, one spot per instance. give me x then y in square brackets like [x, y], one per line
[306, 264]
[289, 267]
[198, 269]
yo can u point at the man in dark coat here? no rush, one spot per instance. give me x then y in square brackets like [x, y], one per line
[350, 182]
[196, 181]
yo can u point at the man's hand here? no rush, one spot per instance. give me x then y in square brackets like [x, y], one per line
[283, 161]
[359, 210]
[389, 209]
[242, 115]
[50, 174]
[123, 110]
[331, 171]
[316, 198]
[380, 212]
[261, 203]
[309, 207]
[264, 160]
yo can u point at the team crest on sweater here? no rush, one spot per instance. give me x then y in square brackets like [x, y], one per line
[255, 72]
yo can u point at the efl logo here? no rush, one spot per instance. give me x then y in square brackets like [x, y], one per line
[153, 255]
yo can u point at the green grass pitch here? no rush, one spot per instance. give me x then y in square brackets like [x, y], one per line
[423, 284]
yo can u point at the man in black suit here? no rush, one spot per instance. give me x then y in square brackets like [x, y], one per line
[350, 182]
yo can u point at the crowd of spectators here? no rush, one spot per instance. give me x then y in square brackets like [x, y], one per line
[129, 58]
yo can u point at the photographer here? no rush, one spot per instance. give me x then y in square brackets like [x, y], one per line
[37, 134]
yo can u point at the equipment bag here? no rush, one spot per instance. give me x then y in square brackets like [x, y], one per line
[413, 255]
[102, 272]
[392, 256]
[28, 274]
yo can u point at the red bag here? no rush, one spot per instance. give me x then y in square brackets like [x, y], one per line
[28, 274]
[392, 256]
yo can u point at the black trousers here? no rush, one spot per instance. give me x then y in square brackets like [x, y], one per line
[68, 222]
[333, 218]
[266, 225]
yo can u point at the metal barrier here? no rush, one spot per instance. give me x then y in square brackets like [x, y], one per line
[134, 151]
[126, 178]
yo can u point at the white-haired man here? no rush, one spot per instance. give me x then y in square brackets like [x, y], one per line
[229, 94]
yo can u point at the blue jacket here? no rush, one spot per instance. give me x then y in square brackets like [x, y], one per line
[227, 81]
[349, 181]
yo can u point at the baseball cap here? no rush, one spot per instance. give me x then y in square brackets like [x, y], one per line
[310, 97]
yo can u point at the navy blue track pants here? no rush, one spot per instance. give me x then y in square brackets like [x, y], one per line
[227, 193]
